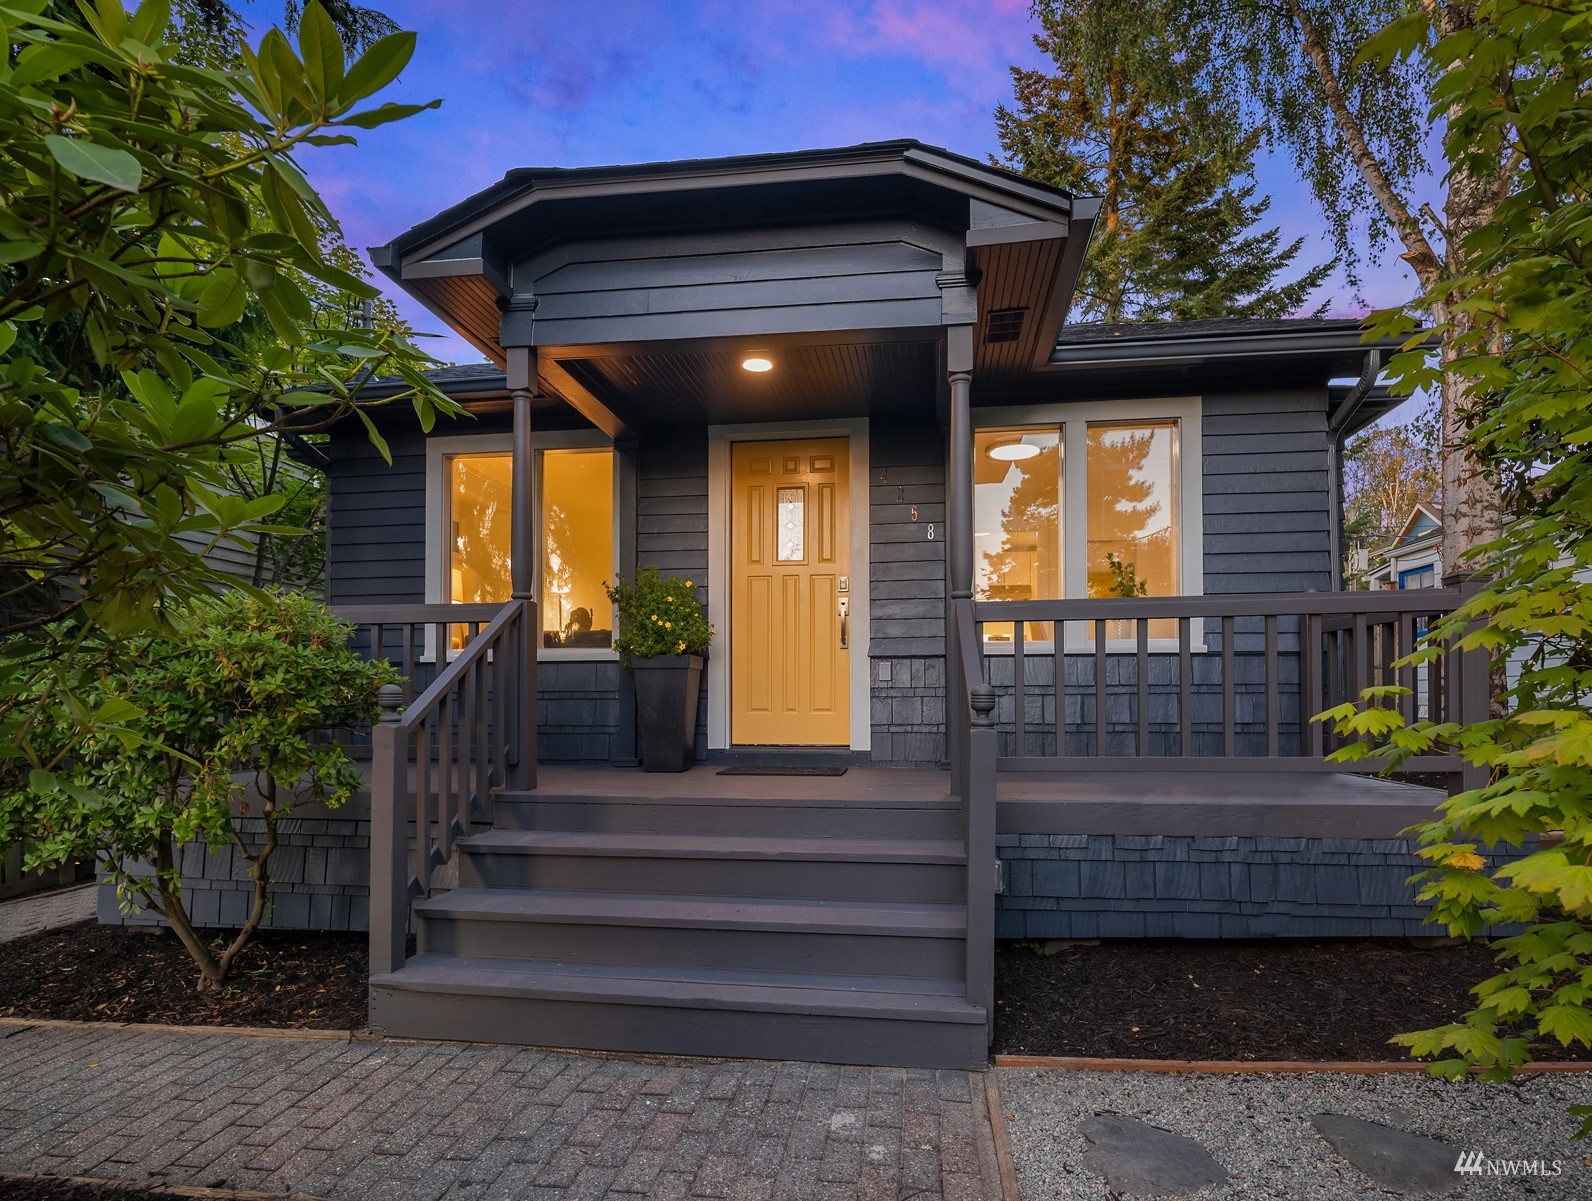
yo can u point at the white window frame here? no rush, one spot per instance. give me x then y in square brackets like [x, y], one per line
[438, 452]
[1074, 418]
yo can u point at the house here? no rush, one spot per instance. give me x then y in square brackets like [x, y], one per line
[1414, 559]
[1057, 598]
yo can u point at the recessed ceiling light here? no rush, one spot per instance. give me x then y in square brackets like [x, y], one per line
[1011, 452]
[757, 363]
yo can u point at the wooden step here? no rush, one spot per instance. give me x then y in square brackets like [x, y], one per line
[678, 931]
[838, 869]
[733, 1012]
[751, 815]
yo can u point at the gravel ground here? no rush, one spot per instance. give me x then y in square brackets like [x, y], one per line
[1258, 1128]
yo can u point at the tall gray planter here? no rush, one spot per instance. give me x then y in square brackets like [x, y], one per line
[667, 690]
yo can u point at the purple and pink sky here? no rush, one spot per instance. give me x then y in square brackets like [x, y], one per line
[577, 84]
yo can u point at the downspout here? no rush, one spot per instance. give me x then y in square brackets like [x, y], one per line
[1337, 435]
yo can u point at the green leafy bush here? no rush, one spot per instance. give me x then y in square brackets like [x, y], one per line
[1515, 86]
[160, 259]
[659, 615]
[188, 729]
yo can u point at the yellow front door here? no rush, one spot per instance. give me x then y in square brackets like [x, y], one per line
[789, 622]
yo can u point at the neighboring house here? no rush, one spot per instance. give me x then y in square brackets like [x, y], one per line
[1414, 559]
[1059, 598]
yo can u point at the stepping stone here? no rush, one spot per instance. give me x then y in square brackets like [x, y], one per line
[1145, 1161]
[1395, 1159]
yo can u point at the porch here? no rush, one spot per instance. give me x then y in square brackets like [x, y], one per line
[833, 390]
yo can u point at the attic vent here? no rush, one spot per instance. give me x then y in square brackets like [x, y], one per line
[1004, 325]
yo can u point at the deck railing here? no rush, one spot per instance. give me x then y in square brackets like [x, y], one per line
[1213, 683]
[437, 761]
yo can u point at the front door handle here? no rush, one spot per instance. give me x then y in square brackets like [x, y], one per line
[845, 622]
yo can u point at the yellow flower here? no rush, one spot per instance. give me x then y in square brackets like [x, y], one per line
[654, 617]
[668, 625]
[689, 584]
[670, 599]
[682, 648]
[1466, 859]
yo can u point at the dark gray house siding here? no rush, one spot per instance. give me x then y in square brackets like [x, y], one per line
[907, 591]
[874, 275]
[1265, 489]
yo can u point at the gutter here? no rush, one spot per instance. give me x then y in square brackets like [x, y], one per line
[1338, 425]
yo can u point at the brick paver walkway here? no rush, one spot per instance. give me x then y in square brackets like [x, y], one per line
[399, 1120]
[29, 915]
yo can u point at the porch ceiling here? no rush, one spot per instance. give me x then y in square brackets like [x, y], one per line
[701, 383]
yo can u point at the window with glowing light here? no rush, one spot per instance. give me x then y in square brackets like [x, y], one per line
[576, 519]
[1119, 538]
[577, 547]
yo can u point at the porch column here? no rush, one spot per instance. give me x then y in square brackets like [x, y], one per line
[959, 543]
[522, 557]
[959, 509]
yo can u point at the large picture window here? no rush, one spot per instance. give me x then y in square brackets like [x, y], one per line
[575, 518]
[1077, 509]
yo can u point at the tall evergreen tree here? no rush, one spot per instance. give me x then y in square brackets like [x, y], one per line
[1176, 236]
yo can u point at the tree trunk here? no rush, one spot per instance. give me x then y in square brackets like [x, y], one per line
[1472, 511]
[1472, 507]
[176, 915]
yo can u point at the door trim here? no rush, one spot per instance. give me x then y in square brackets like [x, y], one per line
[855, 429]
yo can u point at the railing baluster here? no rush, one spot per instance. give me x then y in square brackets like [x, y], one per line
[483, 762]
[1100, 686]
[1408, 674]
[1273, 693]
[445, 779]
[1229, 709]
[1019, 692]
[467, 711]
[1141, 679]
[423, 806]
[409, 658]
[1058, 634]
[1310, 653]
[1185, 688]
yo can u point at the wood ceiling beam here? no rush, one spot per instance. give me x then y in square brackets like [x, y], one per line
[578, 397]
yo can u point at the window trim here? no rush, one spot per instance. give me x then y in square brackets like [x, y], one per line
[438, 452]
[1075, 418]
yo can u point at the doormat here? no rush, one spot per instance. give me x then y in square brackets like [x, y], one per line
[764, 769]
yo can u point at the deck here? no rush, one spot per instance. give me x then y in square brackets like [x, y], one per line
[1268, 804]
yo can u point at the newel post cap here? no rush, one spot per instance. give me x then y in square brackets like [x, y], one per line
[391, 698]
[982, 698]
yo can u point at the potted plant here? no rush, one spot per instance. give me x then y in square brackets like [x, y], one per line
[663, 638]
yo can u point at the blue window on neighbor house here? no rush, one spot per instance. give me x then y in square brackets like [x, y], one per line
[1419, 577]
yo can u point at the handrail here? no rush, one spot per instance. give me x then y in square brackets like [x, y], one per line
[1231, 604]
[471, 731]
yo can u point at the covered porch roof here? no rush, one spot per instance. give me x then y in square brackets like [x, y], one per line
[640, 289]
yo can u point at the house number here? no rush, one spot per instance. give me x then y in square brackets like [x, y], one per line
[931, 531]
[914, 512]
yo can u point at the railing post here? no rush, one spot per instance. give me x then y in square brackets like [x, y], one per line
[522, 556]
[982, 750]
[389, 837]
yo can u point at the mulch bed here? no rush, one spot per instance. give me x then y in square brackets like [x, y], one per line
[88, 972]
[1233, 1000]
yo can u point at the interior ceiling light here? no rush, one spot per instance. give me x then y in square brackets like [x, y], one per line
[757, 363]
[1011, 452]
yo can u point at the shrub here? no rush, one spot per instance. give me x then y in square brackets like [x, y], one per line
[235, 701]
[659, 615]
